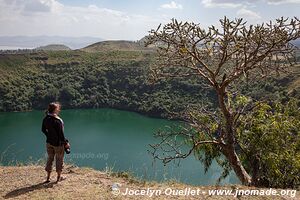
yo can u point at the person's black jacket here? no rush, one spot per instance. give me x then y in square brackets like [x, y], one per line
[53, 128]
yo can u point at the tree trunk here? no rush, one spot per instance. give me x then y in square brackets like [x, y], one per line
[229, 147]
[255, 169]
[236, 164]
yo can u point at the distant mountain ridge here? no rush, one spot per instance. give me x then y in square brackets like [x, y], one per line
[37, 41]
[116, 45]
[54, 47]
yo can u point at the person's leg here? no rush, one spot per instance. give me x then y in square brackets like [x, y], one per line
[59, 161]
[51, 153]
[48, 177]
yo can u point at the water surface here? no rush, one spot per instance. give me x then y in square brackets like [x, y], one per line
[101, 139]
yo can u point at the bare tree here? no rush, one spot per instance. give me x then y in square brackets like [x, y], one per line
[220, 56]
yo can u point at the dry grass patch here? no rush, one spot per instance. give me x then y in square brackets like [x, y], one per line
[26, 182]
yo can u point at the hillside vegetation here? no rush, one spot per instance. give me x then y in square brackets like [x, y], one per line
[116, 75]
[117, 79]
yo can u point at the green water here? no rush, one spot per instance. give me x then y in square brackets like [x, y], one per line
[101, 138]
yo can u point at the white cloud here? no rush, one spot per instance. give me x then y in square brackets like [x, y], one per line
[222, 4]
[278, 2]
[248, 14]
[172, 5]
[52, 5]
[32, 6]
[239, 3]
[49, 17]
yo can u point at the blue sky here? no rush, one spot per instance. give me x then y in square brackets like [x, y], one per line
[131, 19]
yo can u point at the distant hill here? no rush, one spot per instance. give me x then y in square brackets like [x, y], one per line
[37, 41]
[116, 45]
[54, 47]
[143, 40]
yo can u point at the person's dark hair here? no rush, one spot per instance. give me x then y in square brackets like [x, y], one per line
[52, 106]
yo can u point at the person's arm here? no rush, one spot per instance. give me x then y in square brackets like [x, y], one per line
[44, 130]
[60, 130]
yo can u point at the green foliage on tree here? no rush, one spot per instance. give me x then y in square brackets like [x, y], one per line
[269, 138]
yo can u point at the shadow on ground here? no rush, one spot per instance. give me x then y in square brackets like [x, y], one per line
[24, 190]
